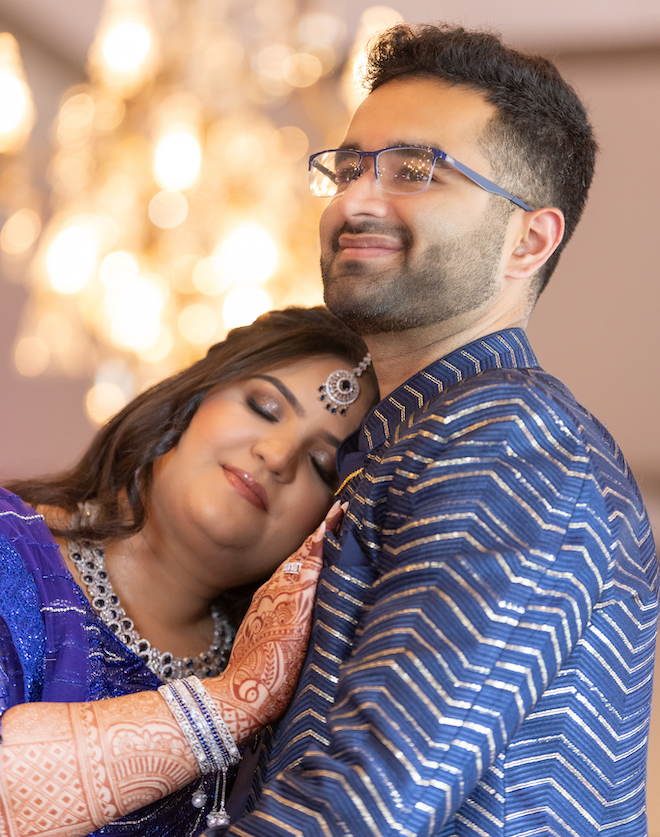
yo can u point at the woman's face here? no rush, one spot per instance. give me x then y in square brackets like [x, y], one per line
[254, 472]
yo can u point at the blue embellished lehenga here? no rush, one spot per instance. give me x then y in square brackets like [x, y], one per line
[54, 648]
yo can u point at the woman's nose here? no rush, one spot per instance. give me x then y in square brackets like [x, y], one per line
[280, 455]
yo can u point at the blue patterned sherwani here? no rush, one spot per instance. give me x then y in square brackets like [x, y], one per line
[482, 655]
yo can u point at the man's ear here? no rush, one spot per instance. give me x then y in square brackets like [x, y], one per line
[537, 236]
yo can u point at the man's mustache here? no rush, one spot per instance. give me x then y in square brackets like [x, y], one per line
[398, 232]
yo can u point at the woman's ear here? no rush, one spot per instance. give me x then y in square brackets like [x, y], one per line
[538, 235]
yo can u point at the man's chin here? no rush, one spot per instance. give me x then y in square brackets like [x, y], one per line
[359, 296]
[364, 315]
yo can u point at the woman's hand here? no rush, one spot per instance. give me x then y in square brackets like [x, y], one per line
[269, 649]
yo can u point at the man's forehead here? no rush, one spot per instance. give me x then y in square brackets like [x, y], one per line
[420, 111]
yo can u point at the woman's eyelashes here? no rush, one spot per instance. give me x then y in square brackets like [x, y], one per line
[325, 470]
[264, 406]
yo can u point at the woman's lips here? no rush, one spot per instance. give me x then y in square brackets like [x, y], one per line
[246, 485]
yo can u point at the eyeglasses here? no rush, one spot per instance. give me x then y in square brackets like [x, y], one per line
[401, 170]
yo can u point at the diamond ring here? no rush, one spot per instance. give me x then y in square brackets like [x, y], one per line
[292, 567]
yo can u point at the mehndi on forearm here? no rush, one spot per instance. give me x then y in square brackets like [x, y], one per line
[67, 769]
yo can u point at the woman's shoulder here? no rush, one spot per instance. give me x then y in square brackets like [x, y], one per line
[54, 516]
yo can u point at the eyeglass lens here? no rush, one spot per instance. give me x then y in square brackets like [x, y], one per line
[400, 170]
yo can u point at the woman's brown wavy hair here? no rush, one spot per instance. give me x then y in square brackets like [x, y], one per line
[116, 471]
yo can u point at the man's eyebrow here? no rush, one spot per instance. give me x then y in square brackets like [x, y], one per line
[397, 143]
[297, 406]
[286, 392]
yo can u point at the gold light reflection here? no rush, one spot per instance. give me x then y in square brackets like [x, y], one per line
[198, 324]
[373, 20]
[168, 209]
[31, 356]
[125, 46]
[112, 389]
[135, 311]
[71, 258]
[75, 119]
[20, 231]
[177, 160]
[104, 400]
[125, 53]
[243, 305]
[17, 111]
[118, 269]
[248, 255]
[180, 205]
[302, 69]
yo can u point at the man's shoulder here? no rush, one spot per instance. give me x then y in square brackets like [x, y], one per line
[508, 411]
[506, 391]
[513, 413]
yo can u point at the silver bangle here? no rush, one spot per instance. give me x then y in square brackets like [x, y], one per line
[214, 719]
[201, 724]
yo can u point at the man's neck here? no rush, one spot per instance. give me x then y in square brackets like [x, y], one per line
[398, 356]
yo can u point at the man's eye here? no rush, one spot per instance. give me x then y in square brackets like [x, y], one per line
[345, 174]
[264, 407]
[412, 173]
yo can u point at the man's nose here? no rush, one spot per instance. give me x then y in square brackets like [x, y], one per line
[364, 195]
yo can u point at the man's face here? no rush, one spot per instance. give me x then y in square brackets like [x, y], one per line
[392, 262]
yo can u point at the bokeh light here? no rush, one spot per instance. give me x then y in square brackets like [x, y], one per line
[177, 160]
[31, 356]
[198, 324]
[248, 255]
[20, 231]
[243, 305]
[168, 209]
[179, 206]
[135, 311]
[126, 45]
[75, 120]
[17, 111]
[103, 400]
[15, 96]
[71, 257]
[118, 269]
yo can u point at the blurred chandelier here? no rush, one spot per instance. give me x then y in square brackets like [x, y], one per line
[17, 112]
[179, 186]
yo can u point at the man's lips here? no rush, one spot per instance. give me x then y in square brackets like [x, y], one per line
[364, 244]
[246, 485]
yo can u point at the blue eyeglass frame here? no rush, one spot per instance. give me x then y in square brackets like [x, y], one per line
[438, 154]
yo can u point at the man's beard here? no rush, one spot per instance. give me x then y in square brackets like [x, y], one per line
[445, 281]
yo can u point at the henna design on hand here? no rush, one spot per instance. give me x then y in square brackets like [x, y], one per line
[68, 769]
[271, 642]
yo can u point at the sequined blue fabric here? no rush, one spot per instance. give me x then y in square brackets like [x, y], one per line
[22, 630]
[481, 658]
[53, 647]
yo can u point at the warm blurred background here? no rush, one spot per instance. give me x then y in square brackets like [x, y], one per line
[153, 193]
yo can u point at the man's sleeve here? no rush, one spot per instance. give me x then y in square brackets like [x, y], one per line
[492, 557]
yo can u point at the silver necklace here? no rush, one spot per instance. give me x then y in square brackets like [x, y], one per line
[89, 558]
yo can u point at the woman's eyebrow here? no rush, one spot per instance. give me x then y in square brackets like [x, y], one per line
[286, 392]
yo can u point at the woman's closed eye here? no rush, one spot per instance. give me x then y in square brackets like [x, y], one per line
[324, 465]
[265, 406]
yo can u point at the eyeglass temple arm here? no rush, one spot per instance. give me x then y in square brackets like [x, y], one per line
[486, 184]
[313, 163]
